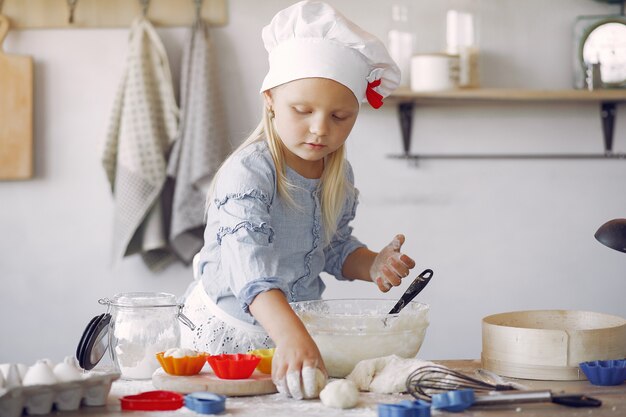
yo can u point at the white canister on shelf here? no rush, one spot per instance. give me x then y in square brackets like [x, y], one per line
[460, 40]
[434, 72]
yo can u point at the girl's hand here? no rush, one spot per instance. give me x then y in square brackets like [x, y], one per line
[390, 266]
[298, 369]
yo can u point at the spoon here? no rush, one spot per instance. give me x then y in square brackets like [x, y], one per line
[415, 288]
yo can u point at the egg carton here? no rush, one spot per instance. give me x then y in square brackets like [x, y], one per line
[93, 390]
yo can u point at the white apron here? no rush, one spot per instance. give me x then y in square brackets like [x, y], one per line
[216, 331]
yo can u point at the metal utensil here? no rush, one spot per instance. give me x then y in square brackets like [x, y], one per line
[521, 397]
[415, 288]
[493, 378]
[427, 381]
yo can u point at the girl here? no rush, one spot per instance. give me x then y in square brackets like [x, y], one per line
[280, 206]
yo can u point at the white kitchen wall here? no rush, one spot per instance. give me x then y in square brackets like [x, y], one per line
[500, 235]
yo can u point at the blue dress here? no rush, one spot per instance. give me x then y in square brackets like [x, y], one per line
[255, 241]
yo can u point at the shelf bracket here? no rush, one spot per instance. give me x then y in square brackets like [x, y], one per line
[405, 113]
[608, 110]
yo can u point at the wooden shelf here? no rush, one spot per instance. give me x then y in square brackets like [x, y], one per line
[50, 14]
[509, 95]
[406, 101]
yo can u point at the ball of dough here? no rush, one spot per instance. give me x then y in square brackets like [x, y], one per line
[341, 393]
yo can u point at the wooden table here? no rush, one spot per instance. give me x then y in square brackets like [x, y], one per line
[613, 398]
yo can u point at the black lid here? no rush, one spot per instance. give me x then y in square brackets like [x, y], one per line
[93, 343]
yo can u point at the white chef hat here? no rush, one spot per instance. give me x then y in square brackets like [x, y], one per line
[312, 39]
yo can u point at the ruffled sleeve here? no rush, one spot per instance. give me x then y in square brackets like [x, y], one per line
[343, 243]
[242, 199]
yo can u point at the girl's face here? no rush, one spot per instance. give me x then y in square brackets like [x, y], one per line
[313, 117]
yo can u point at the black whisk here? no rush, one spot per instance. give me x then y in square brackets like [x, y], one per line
[426, 381]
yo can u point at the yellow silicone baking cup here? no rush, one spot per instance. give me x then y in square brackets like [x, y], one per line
[266, 355]
[185, 366]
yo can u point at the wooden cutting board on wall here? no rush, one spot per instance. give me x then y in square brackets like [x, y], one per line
[16, 112]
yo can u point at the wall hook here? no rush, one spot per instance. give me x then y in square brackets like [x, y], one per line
[145, 4]
[198, 4]
[71, 5]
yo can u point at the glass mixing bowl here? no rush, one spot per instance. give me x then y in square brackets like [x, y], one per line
[350, 330]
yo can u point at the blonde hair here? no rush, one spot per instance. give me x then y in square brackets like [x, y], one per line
[334, 186]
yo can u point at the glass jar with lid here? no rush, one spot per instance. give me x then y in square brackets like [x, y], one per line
[139, 325]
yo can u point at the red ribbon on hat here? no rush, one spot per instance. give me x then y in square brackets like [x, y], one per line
[374, 99]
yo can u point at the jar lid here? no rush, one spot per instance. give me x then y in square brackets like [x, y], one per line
[93, 343]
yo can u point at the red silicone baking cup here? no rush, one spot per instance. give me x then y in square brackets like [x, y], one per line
[185, 366]
[153, 401]
[235, 366]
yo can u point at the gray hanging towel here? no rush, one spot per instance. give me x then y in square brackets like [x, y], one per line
[142, 128]
[201, 145]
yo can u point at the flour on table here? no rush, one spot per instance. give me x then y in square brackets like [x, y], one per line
[385, 375]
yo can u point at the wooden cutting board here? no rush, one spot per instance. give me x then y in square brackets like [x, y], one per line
[257, 384]
[16, 112]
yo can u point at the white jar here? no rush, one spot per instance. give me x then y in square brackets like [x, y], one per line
[433, 72]
[142, 324]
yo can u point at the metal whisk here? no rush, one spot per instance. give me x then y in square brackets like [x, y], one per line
[426, 381]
